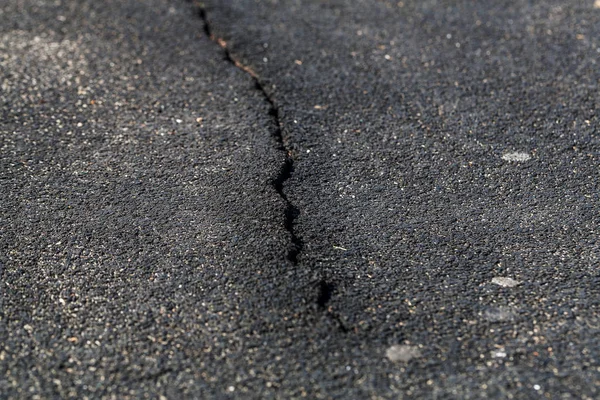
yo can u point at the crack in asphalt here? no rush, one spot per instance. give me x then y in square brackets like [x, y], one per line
[287, 168]
[325, 289]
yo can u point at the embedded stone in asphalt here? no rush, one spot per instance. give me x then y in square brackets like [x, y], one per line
[516, 157]
[402, 353]
[505, 282]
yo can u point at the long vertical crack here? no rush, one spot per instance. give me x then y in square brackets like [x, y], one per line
[287, 168]
[325, 289]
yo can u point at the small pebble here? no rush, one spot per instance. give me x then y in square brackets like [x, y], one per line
[516, 157]
[505, 282]
[402, 353]
[499, 354]
[498, 314]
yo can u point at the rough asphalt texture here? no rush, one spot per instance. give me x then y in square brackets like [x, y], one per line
[326, 199]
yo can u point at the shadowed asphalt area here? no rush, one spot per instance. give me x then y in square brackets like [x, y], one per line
[284, 199]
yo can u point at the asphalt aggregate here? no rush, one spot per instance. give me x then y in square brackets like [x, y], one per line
[299, 199]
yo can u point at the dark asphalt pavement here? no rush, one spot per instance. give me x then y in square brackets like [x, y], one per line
[286, 199]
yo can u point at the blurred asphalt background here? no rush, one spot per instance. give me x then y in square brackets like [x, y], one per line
[285, 199]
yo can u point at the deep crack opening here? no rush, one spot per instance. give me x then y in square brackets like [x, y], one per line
[325, 289]
[325, 293]
[291, 212]
[203, 17]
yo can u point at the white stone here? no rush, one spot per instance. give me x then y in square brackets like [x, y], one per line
[505, 282]
[498, 314]
[402, 353]
[516, 157]
[499, 354]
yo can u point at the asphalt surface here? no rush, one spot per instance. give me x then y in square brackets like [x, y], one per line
[285, 199]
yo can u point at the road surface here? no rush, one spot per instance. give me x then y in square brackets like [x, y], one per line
[285, 199]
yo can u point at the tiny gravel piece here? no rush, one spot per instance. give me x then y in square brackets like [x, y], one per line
[498, 314]
[402, 353]
[505, 282]
[516, 157]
